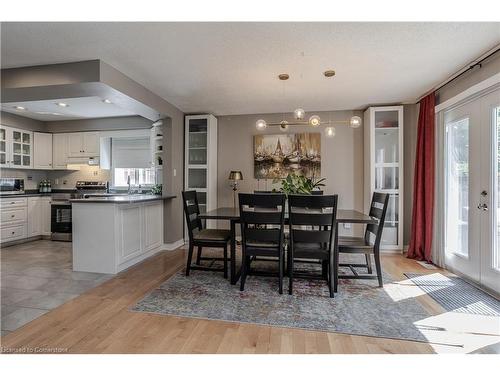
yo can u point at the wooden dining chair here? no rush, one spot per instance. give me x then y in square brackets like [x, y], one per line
[312, 222]
[202, 237]
[262, 218]
[368, 245]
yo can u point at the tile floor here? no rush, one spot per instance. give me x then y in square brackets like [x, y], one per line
[37, 277]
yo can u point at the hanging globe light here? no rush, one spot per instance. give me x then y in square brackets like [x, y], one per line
[284, 126]
[299, 114]
[314, 120]
[261, 124]
[355, 122]
[330, 131]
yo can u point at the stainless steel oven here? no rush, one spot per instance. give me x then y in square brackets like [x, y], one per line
[11, 186]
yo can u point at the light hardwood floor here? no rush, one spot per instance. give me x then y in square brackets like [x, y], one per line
[99, 321]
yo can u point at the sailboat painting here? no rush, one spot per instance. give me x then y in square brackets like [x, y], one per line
[277, 155]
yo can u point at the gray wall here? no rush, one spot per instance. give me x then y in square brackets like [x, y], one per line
[341, 164]
[110, 123]
[489, 68]
[10, 119]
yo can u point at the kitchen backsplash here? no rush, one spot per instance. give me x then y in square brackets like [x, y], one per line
[60, 179]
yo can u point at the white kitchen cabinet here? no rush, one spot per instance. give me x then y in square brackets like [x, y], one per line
[152, 232]
[42, 148]
[200, 161]
[16, 148]
[13, 222]
[83, 144]
[60, 151]
[38, 216]
[46, 216]
[383, 127]
[34, 216]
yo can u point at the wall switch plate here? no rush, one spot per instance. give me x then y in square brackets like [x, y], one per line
[175, 172]
[347, 225]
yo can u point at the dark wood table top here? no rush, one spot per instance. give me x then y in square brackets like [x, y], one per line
[343, 216]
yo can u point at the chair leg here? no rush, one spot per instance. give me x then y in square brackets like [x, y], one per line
[281, 271]
[225, 261]
[198, 256]
[336, 270]
[369, 263]
[379, 268]
[324, 269]
[244, 268]
[190, 258]
[331, 277]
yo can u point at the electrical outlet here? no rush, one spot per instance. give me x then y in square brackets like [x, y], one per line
[347, 225]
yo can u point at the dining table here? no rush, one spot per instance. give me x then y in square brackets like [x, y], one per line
[232, 215]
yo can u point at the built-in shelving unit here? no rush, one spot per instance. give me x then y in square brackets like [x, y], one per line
[384, 168]
[201, 159]
[157, 150]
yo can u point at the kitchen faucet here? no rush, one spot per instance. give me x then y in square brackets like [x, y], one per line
[128, 183]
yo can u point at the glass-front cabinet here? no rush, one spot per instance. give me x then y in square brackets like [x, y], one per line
[384, 167]
[201, 159]
[16, 148]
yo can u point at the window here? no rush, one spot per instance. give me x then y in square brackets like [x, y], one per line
[131, 157]
[138, 176]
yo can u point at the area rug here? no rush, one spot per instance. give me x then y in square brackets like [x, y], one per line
[359, 308]
[455, 294]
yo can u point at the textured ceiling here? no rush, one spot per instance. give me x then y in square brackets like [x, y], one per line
[232, 68]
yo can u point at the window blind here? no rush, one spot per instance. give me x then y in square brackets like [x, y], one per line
[131, 152]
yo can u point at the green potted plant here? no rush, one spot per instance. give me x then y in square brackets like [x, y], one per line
[298, 184]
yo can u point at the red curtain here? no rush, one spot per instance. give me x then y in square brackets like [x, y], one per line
[423, 191]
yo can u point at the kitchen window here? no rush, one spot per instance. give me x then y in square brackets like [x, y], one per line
[131, 157]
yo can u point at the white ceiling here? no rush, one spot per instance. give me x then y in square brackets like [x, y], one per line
[78, 108]
[231, 68]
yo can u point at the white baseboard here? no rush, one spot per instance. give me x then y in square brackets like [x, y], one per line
[173, 245]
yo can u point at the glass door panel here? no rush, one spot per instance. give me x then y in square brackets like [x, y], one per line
[3, 147]
[495, 258]
[457, 187]
[197, 178]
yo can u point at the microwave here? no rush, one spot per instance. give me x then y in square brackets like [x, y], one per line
[11, 186]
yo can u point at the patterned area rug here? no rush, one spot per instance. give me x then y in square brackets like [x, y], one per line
[360, 307]
[455, 294]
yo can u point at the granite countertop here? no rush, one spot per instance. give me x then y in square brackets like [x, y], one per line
[134, 198]
[36, 193]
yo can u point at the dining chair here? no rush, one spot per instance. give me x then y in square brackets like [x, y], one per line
[312, 222]
[202, 237]
[262, 218]
[368, 245]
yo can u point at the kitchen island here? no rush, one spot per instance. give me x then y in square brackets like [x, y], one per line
[112, 233]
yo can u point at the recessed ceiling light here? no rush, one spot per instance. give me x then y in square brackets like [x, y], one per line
[20, 108]
[61, 104]
[107, 101]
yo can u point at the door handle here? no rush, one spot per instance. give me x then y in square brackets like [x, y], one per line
[482, 206]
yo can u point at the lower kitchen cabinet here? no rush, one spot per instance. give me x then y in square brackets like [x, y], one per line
[111, 237]
[39, 216]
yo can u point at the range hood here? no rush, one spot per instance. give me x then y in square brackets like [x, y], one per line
[84, 161]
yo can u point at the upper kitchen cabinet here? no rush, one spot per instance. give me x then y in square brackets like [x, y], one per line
[84, 144]
[16, 148]
[42, 148]
[60, 151]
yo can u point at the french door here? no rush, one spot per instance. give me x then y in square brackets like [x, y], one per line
[472, 189]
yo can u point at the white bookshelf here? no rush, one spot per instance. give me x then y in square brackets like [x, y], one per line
[157, 150]
[200, 160]
[383, 130]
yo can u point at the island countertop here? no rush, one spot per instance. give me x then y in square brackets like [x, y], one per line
[127, 199]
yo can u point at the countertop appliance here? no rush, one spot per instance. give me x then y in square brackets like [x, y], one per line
[61, 222]
[10, 186]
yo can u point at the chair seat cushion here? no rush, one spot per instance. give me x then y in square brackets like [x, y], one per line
[353, 243]
[222, 235]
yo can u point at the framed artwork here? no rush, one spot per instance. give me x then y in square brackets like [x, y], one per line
[277, 155]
